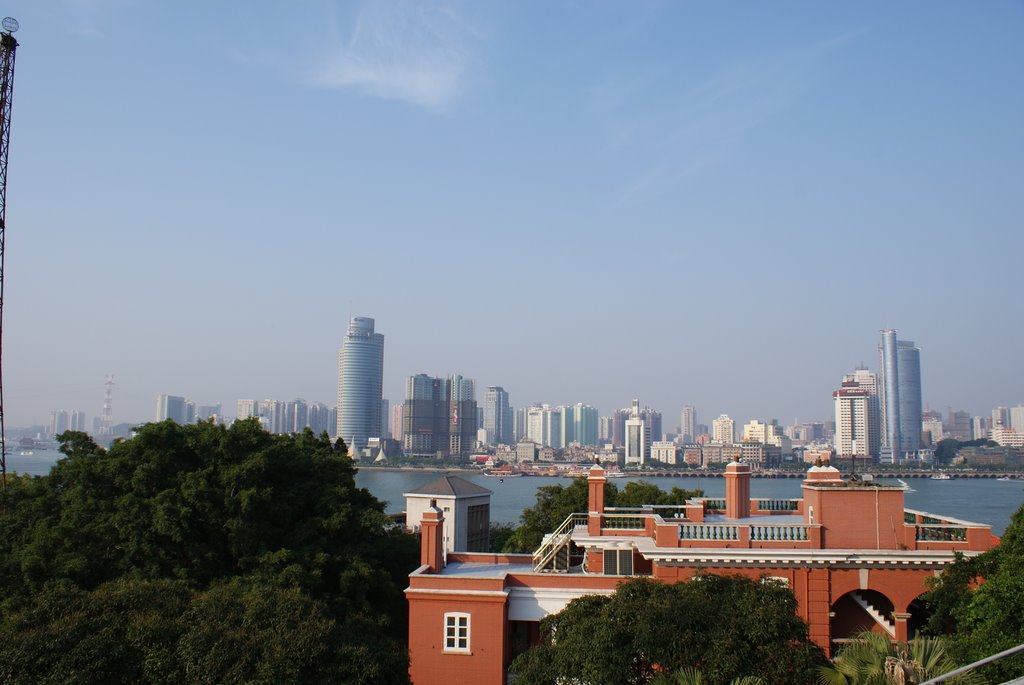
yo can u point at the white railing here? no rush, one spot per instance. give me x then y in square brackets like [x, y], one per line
[708, 531]
[796, 533]
[556, 541]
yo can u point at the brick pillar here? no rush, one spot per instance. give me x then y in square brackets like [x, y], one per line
[432, 538]
[737, 490]
[595, 499]
[819, 607]
[900, 618]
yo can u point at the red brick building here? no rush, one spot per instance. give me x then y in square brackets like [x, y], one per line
[853, 555]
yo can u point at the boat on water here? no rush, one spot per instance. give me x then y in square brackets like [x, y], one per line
[904, 486]
[942, 476]
[1006, 479]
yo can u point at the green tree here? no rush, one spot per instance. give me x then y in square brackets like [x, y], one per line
[985, 617]
[122, 632]
[873, 659]
[221, 511]
[556, 502]
[727, 627]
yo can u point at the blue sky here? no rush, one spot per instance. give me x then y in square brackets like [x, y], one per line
[708, 203]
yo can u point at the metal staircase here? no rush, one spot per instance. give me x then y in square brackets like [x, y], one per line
[555, 552]
[887, 624]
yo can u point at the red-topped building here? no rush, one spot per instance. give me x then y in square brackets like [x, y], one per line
[853, 555]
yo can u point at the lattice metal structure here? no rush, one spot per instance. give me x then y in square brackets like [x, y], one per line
[8, 46]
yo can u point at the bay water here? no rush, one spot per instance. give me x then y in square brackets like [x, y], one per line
[980, 500]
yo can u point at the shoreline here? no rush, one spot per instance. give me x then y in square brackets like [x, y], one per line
[1015, 475]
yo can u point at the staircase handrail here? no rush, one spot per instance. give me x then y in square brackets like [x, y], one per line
[552, 543]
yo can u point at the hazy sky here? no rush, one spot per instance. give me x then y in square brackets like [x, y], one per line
[709, 203]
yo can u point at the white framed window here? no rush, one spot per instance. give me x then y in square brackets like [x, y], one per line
[456, 632]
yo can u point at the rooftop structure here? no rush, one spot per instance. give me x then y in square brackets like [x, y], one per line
[853, 555]
[465, 506]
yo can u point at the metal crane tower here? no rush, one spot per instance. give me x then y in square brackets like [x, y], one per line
[8, 46]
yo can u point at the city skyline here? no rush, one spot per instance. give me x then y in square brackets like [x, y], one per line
[219, 213]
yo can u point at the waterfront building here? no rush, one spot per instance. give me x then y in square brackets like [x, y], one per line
[526, 451]
[665, 452]
[360, 384]
[899, 397]
[396, 421]
[1006, 437]
[638, 437]
[854, 556]
[439, 416]
[619, 418]
[688, 424]
[857, 411]
[723, 430]
[58, 422]
[585, 424]
[497, 416]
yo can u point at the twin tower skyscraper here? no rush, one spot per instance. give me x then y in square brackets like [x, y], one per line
[360, 384]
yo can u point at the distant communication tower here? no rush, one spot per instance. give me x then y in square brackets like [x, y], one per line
[7, 49]
[107, 423]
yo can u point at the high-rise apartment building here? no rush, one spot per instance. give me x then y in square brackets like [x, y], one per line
[1017, 418]
[497, 416]
[171, 407]
[900, 397]
[245, 409]
[58, 422]
[958, 425]
[723, 430]
[439, 415]
[360, 384]
[688, 424]
[585, 424]
[980, 427]
[858, 416]
[638, 437]
[1001, 417]
[853, 418]
[76, 421]
[396, 420]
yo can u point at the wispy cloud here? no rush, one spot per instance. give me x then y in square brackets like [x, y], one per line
[417, 52]
[700, 127]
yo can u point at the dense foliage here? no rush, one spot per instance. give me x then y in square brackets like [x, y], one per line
[985, 618]
[724, 626]
[556, 502]
[201, 554]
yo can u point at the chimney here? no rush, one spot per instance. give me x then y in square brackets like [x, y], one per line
[737, 490]
[595, 498]
[432, 538]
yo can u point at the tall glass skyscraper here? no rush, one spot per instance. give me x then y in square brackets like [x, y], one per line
[900, 396]
[497, 416]
[360, 383]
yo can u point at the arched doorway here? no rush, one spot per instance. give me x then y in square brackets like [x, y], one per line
[858, 611]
